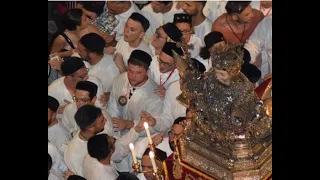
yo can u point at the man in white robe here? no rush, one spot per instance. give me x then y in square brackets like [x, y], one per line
[259, 46]
[159, 13]
[91, 49]
[63, 88]
[58, 168]
[213, 9]
[133, 92]
[57, 133]
[201, 24]
[103, 152]
[163, 69]
[133, 38]
[264, 6]
[85, 93]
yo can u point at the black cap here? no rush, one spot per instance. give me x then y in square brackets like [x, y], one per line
[70, 65]
[53, 103]
[213, 38]
[86, 115]
[249, 70]
[141, 56]
[93, 42]
[198, 65]
[172, 31]
[169, 46]
[182, 17]
[140, 18]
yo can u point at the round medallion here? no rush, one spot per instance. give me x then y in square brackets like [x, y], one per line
[122, 100]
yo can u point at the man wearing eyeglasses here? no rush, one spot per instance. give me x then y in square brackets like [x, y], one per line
[85, 93]
[63, 89]
[163, 67]
[166, 33]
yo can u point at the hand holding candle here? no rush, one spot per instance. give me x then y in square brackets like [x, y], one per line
[133, 153]
[151, 155]
[146, 126]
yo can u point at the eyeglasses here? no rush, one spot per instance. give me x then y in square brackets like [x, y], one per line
[83, 75]
[75, 99]
[164, 63]
[186, 31]
[172, 134]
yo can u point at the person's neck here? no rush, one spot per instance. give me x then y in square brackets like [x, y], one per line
[127, 7]
[85, 135]
[142, 83]
[53, 122]
[69, 83]
[74, 32]
[95, 59]
[135, 43]
[198, 19]
[167, 8]
[105, 161]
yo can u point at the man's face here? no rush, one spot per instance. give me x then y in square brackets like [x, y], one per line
[84, 54]
[246, 15]
[166, 63]
[175, 131]
[266, 4]
[115, 7]
[136, 74]
[191, 7]
[82, 97]
[98, 125]
[157, 6]
[81, 74]
[147, 166]
[185, 29]
[159, 38]
[133, 30]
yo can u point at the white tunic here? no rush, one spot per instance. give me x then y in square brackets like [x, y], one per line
[156, 75]
[58, 135]
[213, 9]
[94, 170]
[58, 90]
[203, 29]
[256, 5]
[70, 123]
[158, 19]
[260, 43]
[142, 99]
[58, 166]
[77, 150]
[197, 44]
[125, 50]
[172, 109]
[105, 70]
[122, 18]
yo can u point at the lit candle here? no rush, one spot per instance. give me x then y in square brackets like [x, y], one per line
[151, 155]
[146, 126]
[133, 153]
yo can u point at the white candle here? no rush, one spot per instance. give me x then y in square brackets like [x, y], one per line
[151, 155]
[133, 153]
[146, 126]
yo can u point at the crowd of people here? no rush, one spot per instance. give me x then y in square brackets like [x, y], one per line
[111, 68]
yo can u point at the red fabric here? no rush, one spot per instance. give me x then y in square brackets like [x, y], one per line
[261, 88]
[62, 9]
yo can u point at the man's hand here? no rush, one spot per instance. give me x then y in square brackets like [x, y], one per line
[120, 124]
[157, 139]
[61, 108]
[148, 118]
[104, 98]
[161, 91]
[139, 127]
[109, 38]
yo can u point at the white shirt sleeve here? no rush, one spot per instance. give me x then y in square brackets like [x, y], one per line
[112, 103]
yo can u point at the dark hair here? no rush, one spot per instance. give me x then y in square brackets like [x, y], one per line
[49, 164]
[99, 147]
[137, 62]
[165, 2]
[236, 7]
[127, 176]
[89, 86]
[179, 119]
[93, 43]
[86, 115]
[75, 177]
[71, 19]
